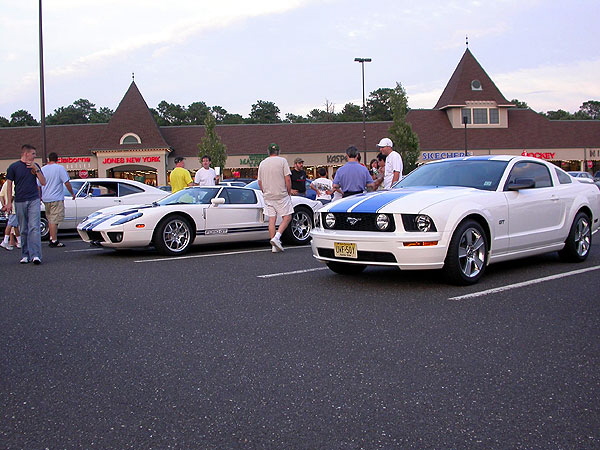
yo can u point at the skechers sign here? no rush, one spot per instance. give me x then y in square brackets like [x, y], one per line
[428, 156]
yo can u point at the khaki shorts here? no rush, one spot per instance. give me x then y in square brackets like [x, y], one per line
[55, 211]
[281, 207]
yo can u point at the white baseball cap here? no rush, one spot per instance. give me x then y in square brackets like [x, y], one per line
[385, 142]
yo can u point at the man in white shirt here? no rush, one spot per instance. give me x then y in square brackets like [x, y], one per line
[393, 163]
[206, 176]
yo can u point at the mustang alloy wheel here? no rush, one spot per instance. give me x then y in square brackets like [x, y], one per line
[44, 228]
[173, 236]
[298, 231]
[467, 254]
[579, 241]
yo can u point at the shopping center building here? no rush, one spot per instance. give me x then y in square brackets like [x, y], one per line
[133, 146]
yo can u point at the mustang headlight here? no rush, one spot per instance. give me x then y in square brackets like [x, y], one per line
[330, 220]
[127, 218]
[382, 221]
[418, 222]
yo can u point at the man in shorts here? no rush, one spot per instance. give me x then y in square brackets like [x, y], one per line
[53, 196]
[275, 183]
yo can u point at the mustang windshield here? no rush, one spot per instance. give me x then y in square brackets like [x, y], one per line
[190, 196]
[478, 174]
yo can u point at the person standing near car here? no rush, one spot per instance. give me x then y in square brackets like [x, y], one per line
[12, 224]
[206, 175]
[323, 186]
[25, 174]
[53, 196]
[180, 177]
[298, 177]
[393, 163]
[352, 178]
[275, 182]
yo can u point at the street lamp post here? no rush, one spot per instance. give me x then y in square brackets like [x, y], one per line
[42, 97]
[362, 62]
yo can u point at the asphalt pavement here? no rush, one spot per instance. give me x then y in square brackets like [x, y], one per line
[236, 347]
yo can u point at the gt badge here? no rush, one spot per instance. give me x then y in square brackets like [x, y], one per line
[220, 231]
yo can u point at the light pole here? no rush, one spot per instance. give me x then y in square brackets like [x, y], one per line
[362, 62]
[42, 97]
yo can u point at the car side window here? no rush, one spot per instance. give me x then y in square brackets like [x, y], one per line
[538, 172]
[107, 189]
[127, 189]
[563, 177]
[241, 196]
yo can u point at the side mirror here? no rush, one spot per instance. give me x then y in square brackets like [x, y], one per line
[217, 201]
[521, 183]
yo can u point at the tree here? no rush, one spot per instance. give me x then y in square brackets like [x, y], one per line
[211, 144]
[558, 115]
[233, 119]
[219, 112]
[378, 105]
[171, 114]
[4, 122]
[103, 115]
[519, 104]
[22, 118]
[591, 109]
[197, 113]
[264, 112]
[294, 118]
[406, 141]
[350, 113]
[318, 115]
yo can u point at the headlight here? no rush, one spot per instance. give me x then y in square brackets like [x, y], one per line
[382, 221]
[423, 223]
[418, 222]
[128, 218]
[330, 220]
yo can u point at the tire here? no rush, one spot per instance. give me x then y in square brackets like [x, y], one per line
[44, 229]
[467, 254]
[173, 236]
[345, 268]
[298, 231]
[579, 241]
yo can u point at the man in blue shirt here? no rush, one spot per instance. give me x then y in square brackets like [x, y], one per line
[352, 178]
[25, 174]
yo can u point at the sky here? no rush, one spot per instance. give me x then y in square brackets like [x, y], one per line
[298, 54]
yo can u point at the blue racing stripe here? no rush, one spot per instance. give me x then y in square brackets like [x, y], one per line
[342, 206]
[377, 202]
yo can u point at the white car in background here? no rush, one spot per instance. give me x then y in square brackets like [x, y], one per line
[195, 215]
[460, 215]
[92, 194]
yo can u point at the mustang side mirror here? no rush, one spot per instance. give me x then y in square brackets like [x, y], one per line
[521, 183]
[217, 201]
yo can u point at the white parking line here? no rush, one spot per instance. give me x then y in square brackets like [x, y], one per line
[208, 255]
[86, 250]
[294, 272]
[524, 283]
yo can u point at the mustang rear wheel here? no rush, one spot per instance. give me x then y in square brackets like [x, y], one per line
[579, 241]
[298, 231]
[467, 254]
[173, 236]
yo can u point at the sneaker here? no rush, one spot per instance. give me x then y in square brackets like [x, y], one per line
[36, 260]
[18, 245]
[277, 243]
[56, 244]
[275, 250]
[24, 260]
[6, 245]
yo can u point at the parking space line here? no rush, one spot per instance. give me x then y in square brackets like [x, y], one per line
[293, 272]
[86, 250]
[523, 283]
[208, 255]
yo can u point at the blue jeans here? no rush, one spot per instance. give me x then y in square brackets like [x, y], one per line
[28, 213]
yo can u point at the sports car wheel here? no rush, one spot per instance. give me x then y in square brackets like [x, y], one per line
[579, 241]
[467, 254]
[345, 268]
[298, 231]
[173, 236]
[44, 230]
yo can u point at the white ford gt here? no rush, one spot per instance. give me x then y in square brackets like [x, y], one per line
[460, 215]
[195, 215]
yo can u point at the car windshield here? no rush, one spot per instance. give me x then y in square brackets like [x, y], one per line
[76, 185]
[478, 174]
[253, 185]
[191, 196]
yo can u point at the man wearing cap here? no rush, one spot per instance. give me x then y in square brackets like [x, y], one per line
[393, 163]
[275, 183]
[180, 177]
[298, 178]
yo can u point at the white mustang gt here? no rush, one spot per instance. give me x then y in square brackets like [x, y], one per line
[195, 215]
[461, 215]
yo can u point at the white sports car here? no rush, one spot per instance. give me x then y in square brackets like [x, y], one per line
[195, 215]
[461, 215]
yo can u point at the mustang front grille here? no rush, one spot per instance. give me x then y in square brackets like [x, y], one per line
[358, 222]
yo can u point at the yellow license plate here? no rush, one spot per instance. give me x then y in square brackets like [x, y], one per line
[345, 250]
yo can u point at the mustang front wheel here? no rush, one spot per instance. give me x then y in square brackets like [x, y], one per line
[173, 236]
[467, 254]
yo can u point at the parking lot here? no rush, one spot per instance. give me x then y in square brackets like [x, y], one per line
[236, 347]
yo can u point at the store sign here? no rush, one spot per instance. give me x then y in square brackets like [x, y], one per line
[132, 160]
[252, 160]
[83, 174]
[539, 155]
[444, 155]
[74, 160]
[337, 159]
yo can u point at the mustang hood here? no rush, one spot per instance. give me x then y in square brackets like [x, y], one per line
[412, 199]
